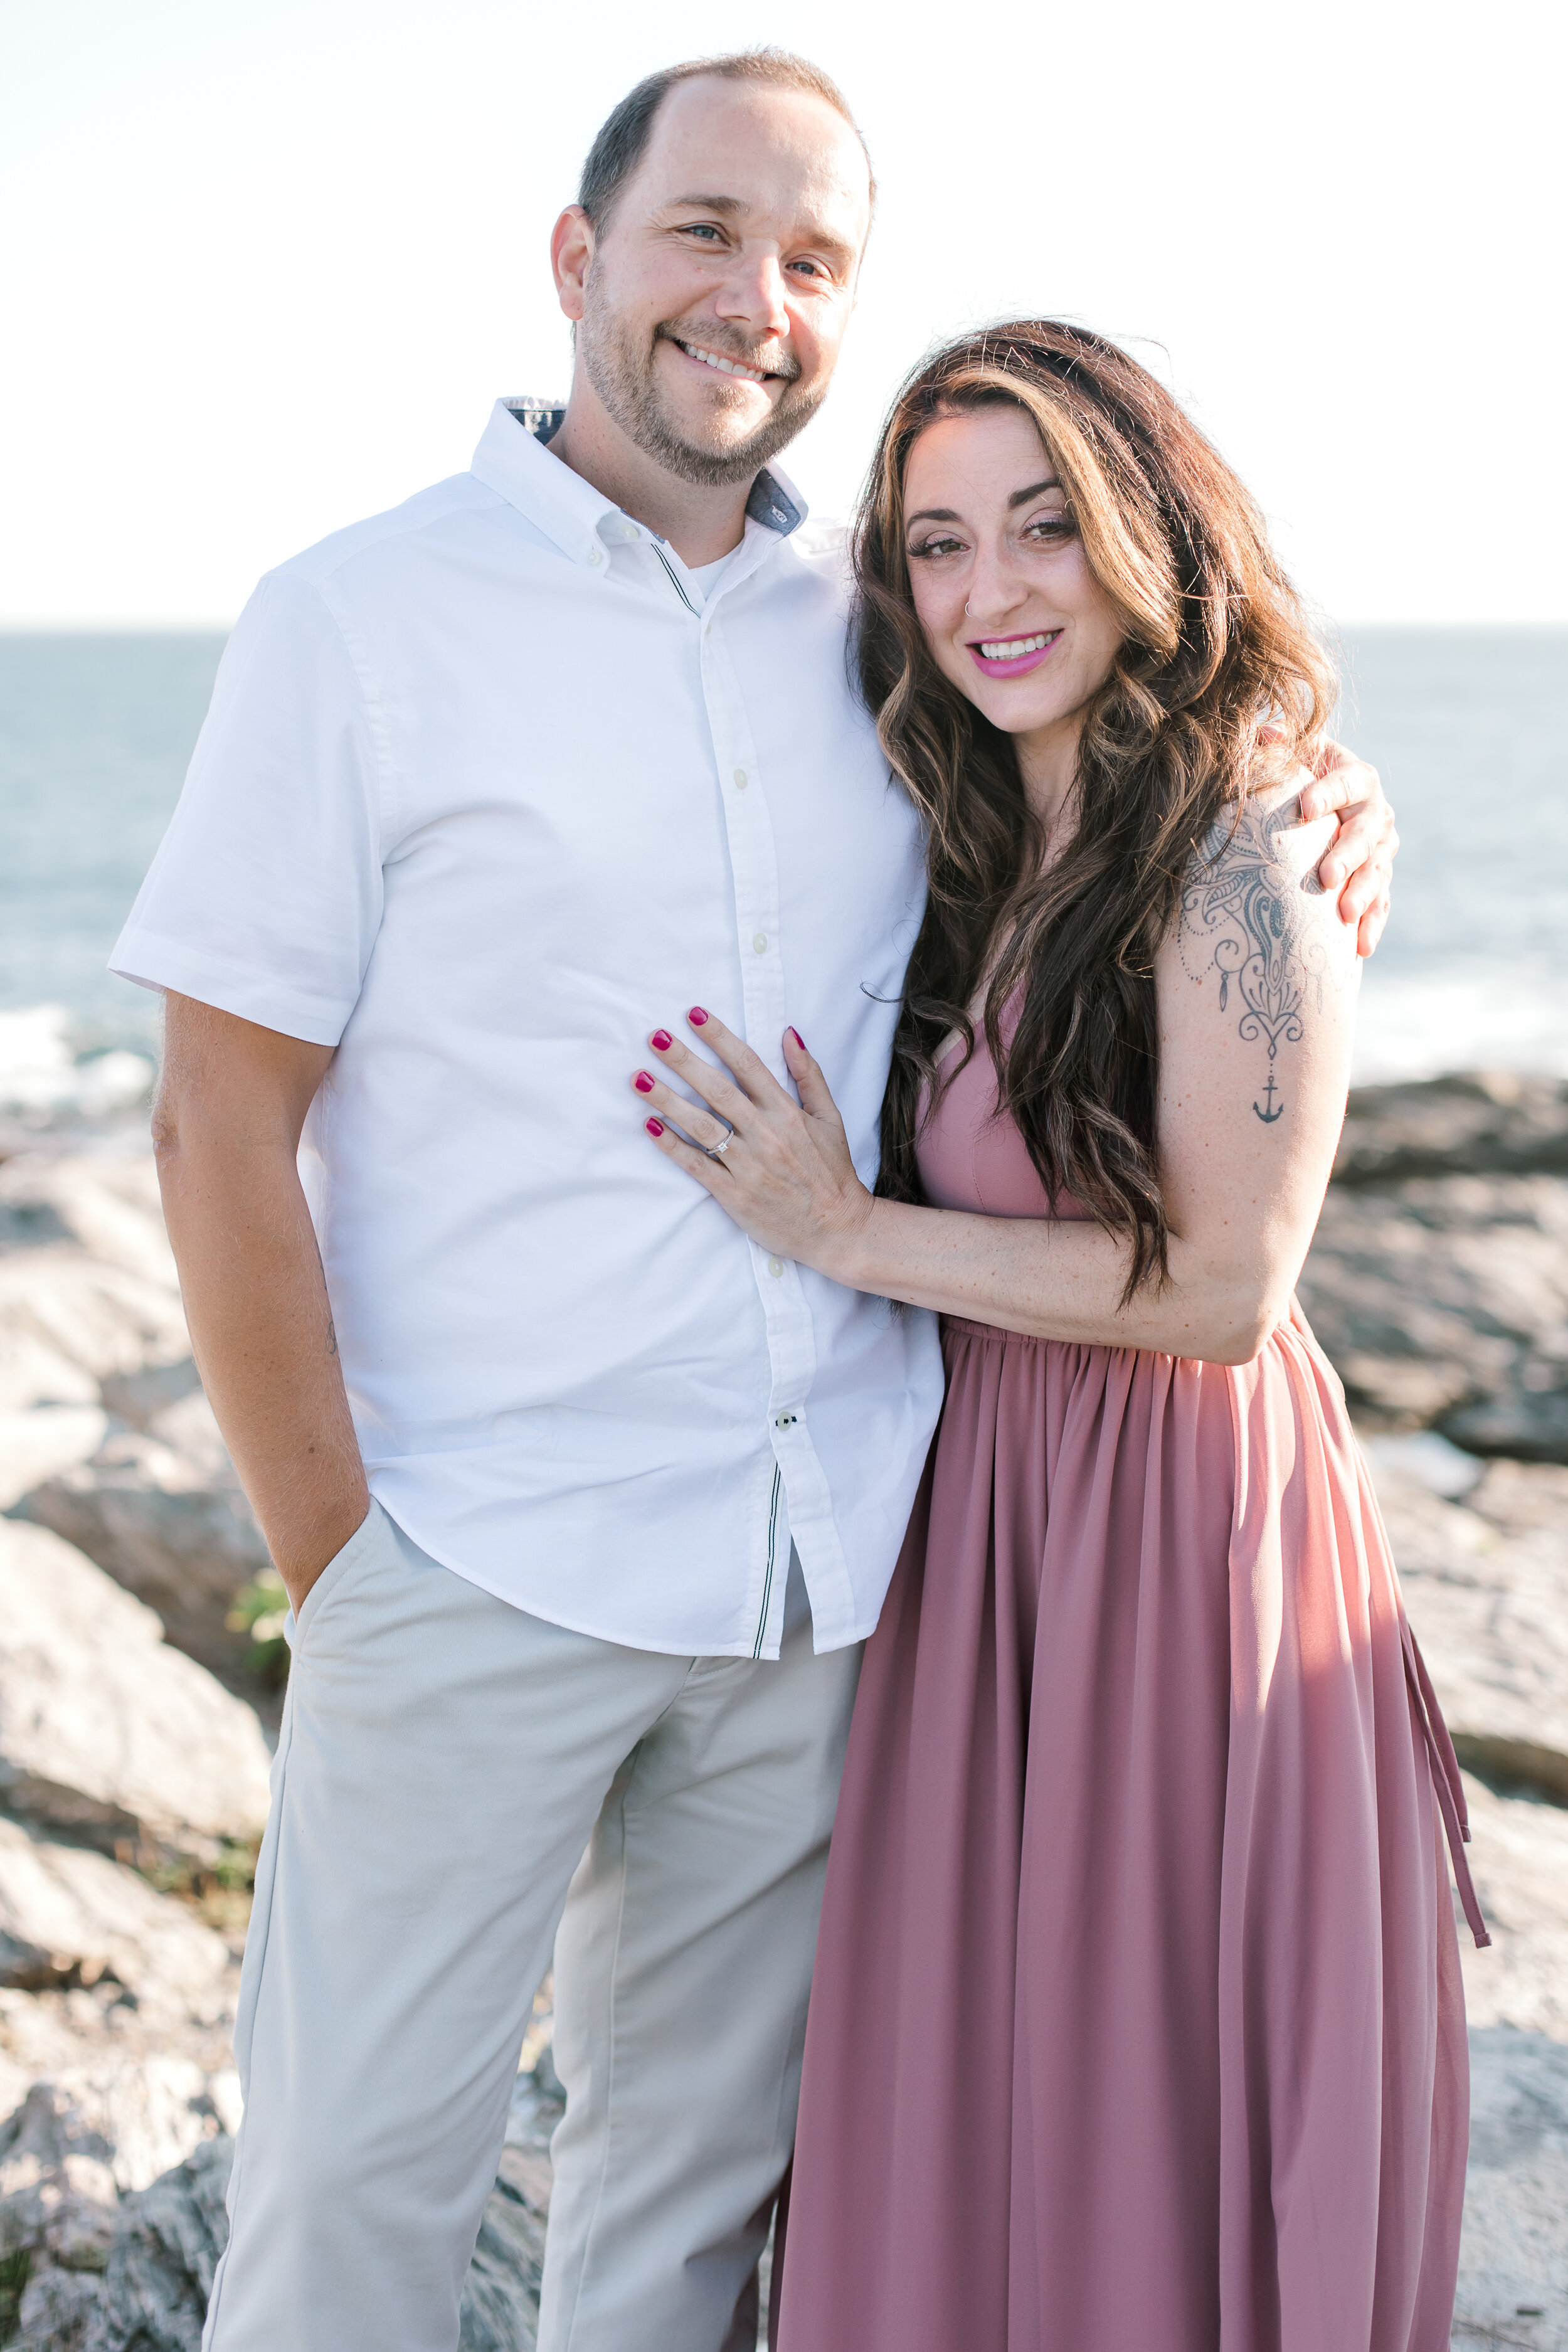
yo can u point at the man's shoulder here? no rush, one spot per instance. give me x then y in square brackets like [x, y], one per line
[823, 544]
[366, 548]
[818, 555]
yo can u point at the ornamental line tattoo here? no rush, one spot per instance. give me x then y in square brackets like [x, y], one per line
[1242, 918]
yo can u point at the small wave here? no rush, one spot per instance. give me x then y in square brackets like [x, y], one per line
[1418, 1025]
[43, 1078]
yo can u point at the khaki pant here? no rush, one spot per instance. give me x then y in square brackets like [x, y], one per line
[444, 1762]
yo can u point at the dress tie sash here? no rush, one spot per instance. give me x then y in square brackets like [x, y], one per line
[1445, 1780]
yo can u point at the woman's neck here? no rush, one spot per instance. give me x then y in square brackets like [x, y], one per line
[1048, 762]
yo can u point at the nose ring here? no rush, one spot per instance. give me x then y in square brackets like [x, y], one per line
[966, 608]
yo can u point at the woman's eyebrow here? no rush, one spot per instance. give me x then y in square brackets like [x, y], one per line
[1018, 498]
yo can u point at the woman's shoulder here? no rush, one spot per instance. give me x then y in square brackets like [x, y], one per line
[1252, 887]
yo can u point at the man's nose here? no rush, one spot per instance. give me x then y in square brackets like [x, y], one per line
[755, 294]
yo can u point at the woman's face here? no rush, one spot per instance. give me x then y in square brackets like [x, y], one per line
[1002, 586]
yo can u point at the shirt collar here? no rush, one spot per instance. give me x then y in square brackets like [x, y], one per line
[569, 509]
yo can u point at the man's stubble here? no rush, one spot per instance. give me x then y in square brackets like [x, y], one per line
[620, 368]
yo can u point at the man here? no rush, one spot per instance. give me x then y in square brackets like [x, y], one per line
[490, 786]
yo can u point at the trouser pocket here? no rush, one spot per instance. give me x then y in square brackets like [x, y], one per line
[332, 1576]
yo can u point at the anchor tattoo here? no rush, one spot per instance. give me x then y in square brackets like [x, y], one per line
[1271, 1115]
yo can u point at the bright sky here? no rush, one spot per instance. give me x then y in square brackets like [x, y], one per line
[265, 264]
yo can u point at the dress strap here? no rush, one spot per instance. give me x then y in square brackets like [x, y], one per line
[1445, 1780]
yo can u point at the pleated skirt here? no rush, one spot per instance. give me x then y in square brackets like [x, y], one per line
[1137, 2023]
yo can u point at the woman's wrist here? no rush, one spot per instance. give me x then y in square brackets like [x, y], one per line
[845, 1256]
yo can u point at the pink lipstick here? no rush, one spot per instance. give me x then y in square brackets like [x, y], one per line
[1014, 656]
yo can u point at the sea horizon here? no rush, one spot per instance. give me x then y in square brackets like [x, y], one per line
[96, 725]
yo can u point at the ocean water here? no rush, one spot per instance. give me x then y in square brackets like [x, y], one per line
[1465, 725]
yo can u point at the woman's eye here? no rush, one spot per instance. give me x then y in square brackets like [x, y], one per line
[928, 547]
[1051, 528]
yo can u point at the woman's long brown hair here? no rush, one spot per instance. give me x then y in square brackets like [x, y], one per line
[1218, 676]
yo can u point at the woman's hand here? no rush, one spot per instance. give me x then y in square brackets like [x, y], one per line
[781, 1168]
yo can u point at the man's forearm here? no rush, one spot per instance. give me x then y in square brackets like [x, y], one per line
[261, 1329]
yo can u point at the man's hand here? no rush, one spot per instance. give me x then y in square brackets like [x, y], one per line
[226, 1126]
[1358, 866]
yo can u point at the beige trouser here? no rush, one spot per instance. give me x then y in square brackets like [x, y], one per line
[444, 1762]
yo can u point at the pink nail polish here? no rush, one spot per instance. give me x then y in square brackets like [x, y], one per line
[642, 1083]
[654, 1126]
[799, 1040]
[662, 1041]
[696, 1016]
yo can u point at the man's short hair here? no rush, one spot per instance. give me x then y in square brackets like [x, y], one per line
[623, 137]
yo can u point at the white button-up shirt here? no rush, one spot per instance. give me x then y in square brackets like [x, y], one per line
[488, 791]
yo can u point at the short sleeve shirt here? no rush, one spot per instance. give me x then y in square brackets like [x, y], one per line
[487, 793]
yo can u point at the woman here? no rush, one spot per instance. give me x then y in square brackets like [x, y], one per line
[1137, 2024]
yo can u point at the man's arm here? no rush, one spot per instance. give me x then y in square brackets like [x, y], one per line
[226, 1126]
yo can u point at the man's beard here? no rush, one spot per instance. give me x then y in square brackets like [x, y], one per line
[622, 377]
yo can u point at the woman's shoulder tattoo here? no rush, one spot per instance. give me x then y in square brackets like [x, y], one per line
[1251, 922]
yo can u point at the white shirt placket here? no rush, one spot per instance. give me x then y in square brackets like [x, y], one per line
[792, 1348]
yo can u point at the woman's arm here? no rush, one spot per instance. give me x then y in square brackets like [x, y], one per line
[1256, 996]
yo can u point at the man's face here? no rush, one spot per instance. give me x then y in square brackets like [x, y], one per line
[718, 290]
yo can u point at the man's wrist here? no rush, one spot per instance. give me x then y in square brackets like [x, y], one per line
[300, 1556]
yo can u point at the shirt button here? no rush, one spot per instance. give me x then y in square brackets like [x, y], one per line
[741, 778]
[595, 555]
[775, 1265]
[760, 942]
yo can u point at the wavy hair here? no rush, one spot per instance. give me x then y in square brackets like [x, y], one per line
[1218, 681]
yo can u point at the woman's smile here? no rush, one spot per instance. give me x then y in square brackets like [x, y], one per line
[1012, 657]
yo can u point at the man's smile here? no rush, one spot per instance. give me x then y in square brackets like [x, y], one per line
[717, 360]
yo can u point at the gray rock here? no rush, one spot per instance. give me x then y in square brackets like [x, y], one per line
[35, 1446]
[1519, 1858]
[57, 2191]
[105, 1732]
[166, 2245]
[1444, 1301]
[159, 1509]
[69, 1916]
[165, 2249]
[1485, 1577]
[1513, 2259]
[57, 2310]
[1479, 1123]
[87, 1287]
[105, 1437]
[501, 2301]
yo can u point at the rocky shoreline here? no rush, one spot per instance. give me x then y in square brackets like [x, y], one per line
[140, 1691]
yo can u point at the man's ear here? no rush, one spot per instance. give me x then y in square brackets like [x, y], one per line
[571, 256]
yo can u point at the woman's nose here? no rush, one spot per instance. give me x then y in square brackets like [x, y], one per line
[995, 591]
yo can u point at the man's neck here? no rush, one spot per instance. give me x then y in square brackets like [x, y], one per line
[701, 522]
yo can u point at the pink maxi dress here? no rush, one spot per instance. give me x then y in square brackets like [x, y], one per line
[1137, 2023]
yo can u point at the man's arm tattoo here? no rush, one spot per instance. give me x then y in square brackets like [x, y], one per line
[1244, 916]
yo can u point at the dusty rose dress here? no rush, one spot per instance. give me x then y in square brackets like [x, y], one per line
[1137, 2023]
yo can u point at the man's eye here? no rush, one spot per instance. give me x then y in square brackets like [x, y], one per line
[701, 228]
